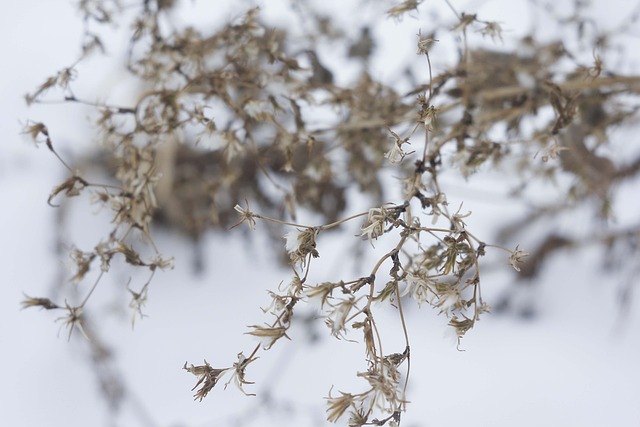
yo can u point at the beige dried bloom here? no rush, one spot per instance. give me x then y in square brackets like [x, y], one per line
[384, 382]
[257, 110]
[357, 418]
[163, 263]
[61, 79]
[448, 297]
[492, 29]
[45, 303]
[233, 147]
[138, 300]
[278, 303]
[238, 376]
[338, 405]
[338, 316]
[105, 252]
[418, 286]
[461, 326]
[294, 288]
[438, 200]
[457, 218]
[83, 261]
[207, 376]
[374, 227]
[465, 21]
[552, 152]
[396, 154]
[424, 44]
[268, 335]
[396, 359]
[300, 244]
[398, 11]
[320, 293]
[428, 117]
[72, 320]
[246, 215]
[35, 130]
[71, 187]
[516, 257]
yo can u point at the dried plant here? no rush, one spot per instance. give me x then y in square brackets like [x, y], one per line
[225, 133]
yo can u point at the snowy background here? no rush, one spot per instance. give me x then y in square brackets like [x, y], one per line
[574, 363]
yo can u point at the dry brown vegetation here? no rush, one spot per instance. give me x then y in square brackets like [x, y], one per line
[225, 133]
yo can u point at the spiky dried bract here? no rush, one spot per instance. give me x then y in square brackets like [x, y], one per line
[464, 21]
[321, 292]
[137, 302]
[397, 154]
[35, 130]
[72, 187]
[374, 227]
[385, 393]
[338, 405]
[337, 317]
[45, 303]
[238, 376]
[301, 245]
[492, 29]
[515, 259]
[207, 378]
[268, 335]
[72, 320]
[406, 6]
[245, 216]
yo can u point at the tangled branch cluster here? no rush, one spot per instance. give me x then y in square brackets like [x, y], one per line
[232, 116]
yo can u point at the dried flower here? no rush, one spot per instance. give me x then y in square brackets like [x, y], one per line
[163, 263]
[257, 110]
[294, 288]
[207, 376]
[338, 316]
[72, 320]
[300, 244]
[461, 326]
[418, 287]
[493, 30]
[465, 21]
[424, 44]
[428, 116]
[357, 418]
[83, 261]
[384, 380]
[516, 257]
[398, 11]
[448, 297]
[45, 303]
[338, 405]
[457, 222]
[138, 300]
[34, 130]
[238, 376]
[268, 335]
[320, 293]
[71, 187]
[246, 215]
[278, 303]
[396, 154]
[552, 152]
[374, 227]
